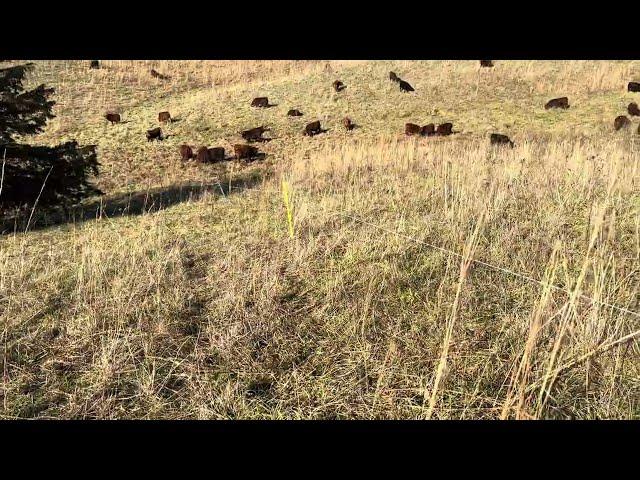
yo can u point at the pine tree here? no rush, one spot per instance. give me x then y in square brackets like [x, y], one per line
[51, 175]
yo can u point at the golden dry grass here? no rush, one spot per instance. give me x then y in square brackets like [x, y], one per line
[316, 292]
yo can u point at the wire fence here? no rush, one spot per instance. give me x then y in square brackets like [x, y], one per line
[491, 266]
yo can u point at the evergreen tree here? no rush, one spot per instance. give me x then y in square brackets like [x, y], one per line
[57, 175]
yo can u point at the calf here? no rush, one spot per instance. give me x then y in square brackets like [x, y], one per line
[245, 151]
[633, 110]
[294, 113]
[216, 154]
[338, 86]
[348, 124]
[444, 129]
[562, 102]
[412, 129]
[112, 117]
[428, 130]
[621, 122]
[393, 77]
[164, 117]
[260, 102]
[254, 134]
[498, 139]
[186, 152]
[405, 87]
[154, 134]
[313, 128]
[95, 64]
[633, 87]
[486, 63]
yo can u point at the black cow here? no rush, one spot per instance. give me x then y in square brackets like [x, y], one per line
[348, 124]
[562, 102]
[312, 129]
[499, 139]
[216, 154]
[405, 87]
[633, 110]
[154, 134]
[428, 130]
[633, 87]
[294, 113]
[186, 152]
[245, 151]
[620, 122]
[486, 63]
[112, 117]
[444, 129]
[254, 134]
[202, 155]
[95, 64]
[158, 75]
[412, 129]
[260, 102]
[338, 86]
[164, 117]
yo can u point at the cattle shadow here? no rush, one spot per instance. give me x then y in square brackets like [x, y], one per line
[131, 204]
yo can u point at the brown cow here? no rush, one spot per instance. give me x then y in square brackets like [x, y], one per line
[313, 128]
[486, 63]
[338, 86]
[393, 77]
[155, 74]
[562, 102]
[95, 64]
[428, 130]
[444, 129]
[499, 139]
[633, 110]
[620, 122]
[216, 154]
[633, 87]
[294, 113]
[186, 152]
[202, 155]
[260, 102]
[254, 134]
[164, 117]
[348, 124]
[245, 151]
[412, 129]
[405, 87]
[154, 134]
[112, 117]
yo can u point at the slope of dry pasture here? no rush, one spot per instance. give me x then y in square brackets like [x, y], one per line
[308, 285]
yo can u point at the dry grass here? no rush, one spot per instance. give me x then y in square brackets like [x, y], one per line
[315, 294]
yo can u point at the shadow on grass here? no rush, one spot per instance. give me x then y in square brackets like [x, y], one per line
[137, 203]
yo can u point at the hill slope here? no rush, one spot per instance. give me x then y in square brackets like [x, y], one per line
[326, 281]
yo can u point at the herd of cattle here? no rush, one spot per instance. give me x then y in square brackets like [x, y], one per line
[249, 152]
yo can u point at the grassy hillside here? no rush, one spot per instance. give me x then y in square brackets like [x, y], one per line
[333, 280]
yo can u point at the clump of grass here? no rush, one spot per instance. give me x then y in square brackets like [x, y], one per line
[287, 198]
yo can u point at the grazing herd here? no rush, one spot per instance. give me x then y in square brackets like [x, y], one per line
[622, 121]
[248, 152]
